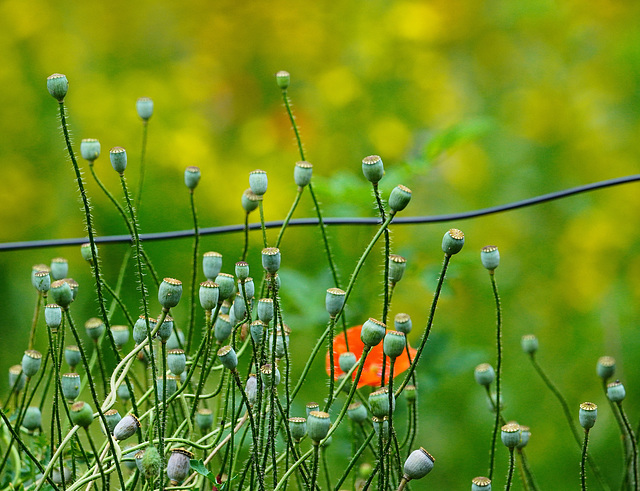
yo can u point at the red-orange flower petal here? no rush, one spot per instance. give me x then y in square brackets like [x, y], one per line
[372, 371]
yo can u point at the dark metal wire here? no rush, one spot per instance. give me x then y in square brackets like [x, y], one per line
[227, 229]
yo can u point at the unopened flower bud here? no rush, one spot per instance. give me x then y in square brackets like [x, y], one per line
[151, 463]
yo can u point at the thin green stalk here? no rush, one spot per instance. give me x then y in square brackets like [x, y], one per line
[103, 374]
[95, 455]
[634, 446]
[314, 474]
[143, 153]
[262, 226]
[511, 467]
[163, 420]
[118, 300]
[34, 322]
[354, 459]
[289, 215]
[496, 425]
[332, 367]
[194, 272]
[583, 460]
[246, 237]
[327, 477]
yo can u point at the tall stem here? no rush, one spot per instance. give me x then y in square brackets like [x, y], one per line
[194, 271]
[583, 474]
[498, 369]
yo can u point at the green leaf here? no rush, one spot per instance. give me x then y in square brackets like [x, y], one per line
[199, 467]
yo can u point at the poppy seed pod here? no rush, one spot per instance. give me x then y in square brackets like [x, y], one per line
[169, 293]
[81, 414]
[211, 264]
[90, 149]
[256, 330]
[42, 281]
[372, 332]
[171, 385]
[140, 328]
[249, 288]
[484, 374]
[151, 463]
[175, 340]
[61, 293]
[271, 259]
[53, 316]
[588, 414]
[251, 389]
[394, 343]
[58, 85]
[397, 265]
[178, 465]
[334, 301]
[138, 456]
[258, 182]
[56, 475]
[239, 308]
[525, 434]
[222, 328]
[228, 357]
[129, 458]
[72, 356]
[112, 417]
[265, 310]
[381, 424]
[204, 419]
[242, 270]
[120, 335]
[418, 464]
[73, 284]
[209, 294]
[481, 483]
[176, 361]
[616, 392]
[402, 323]
[410, 393]
[31, 361]
[311, 406]
[94, 328]
[32, 418]
[144, 107]
[283, 79]
[123, 392]
[37, 268]
[452, 241]
[347, 360]
[126, 427]
[192, 177]
[17, 378]
[490, 257]
[226, 286]
[373, 168]
[166, 329]
[298, 428]
[606, 367]
[399, 198]
[270, 375]
[70, 383]
[85, 252]
[250, 201]
[510, 435]
[118, 158]
[357, 412]
[302, 173]
[318, 424]
[379, 402]
[529, 344]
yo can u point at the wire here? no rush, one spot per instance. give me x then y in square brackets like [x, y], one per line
[228, 229]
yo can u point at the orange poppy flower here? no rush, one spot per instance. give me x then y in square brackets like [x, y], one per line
[372, 371]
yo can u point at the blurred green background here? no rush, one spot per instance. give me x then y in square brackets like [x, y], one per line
[470, 104]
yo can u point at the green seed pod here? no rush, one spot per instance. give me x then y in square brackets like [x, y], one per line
[118, 157]
[394, 344]
[481, 483]
[249, 287]
[397, 265]
[282, 344]
[251, 389]
[490, 257]
[17, 378]
[222, 328]
[112, 417]
[242, 270]
[176, 360]
[379, 402]
[32, 418]
[347, 384]
[94, 328]
[211, 264]
[381, 424]
[178, 465]
[258, 182]
[61, 293]
[270, 375]
[298, 428]
[123, 392]
[283, 79]
[265, 310]
[144, 107]
[510, 435]
[373, 168]
[53, 316]
[57, 85]
[73, 284]
[399, 198]
[126, 427]
[209, 295]
[140, 328]
[484, 374]
[81, 414]
[347, 360]
[56, 476]
[452, 242]
[357, 412]
[70, 383]
[172, 386]
[606, 367]
[228, 357]
[410, 393]
[72, 356]
[615, 391]
[529, 344]
[312, 406]
[402, 323]
[85, 252]
[169, 293]
[257, 329]
[139, 455]
[318, 424]
[227, 286]
[418, 464]
[250, 201]
[192, 177]
[175, 341]
[42, 281]
[334, 301]
[35, 269]
[372, 332]
[120, 335]
[239, 308]
[129, 458]
[302, 173]
[271, 259]
[90, 149]
[151, 463]
[525, 434]
[31, 362]
[204, 419]
[166, 329]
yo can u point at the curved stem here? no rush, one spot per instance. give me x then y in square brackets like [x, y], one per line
[634, 446]
[498, 370]
[294, 205]
[95, 455]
